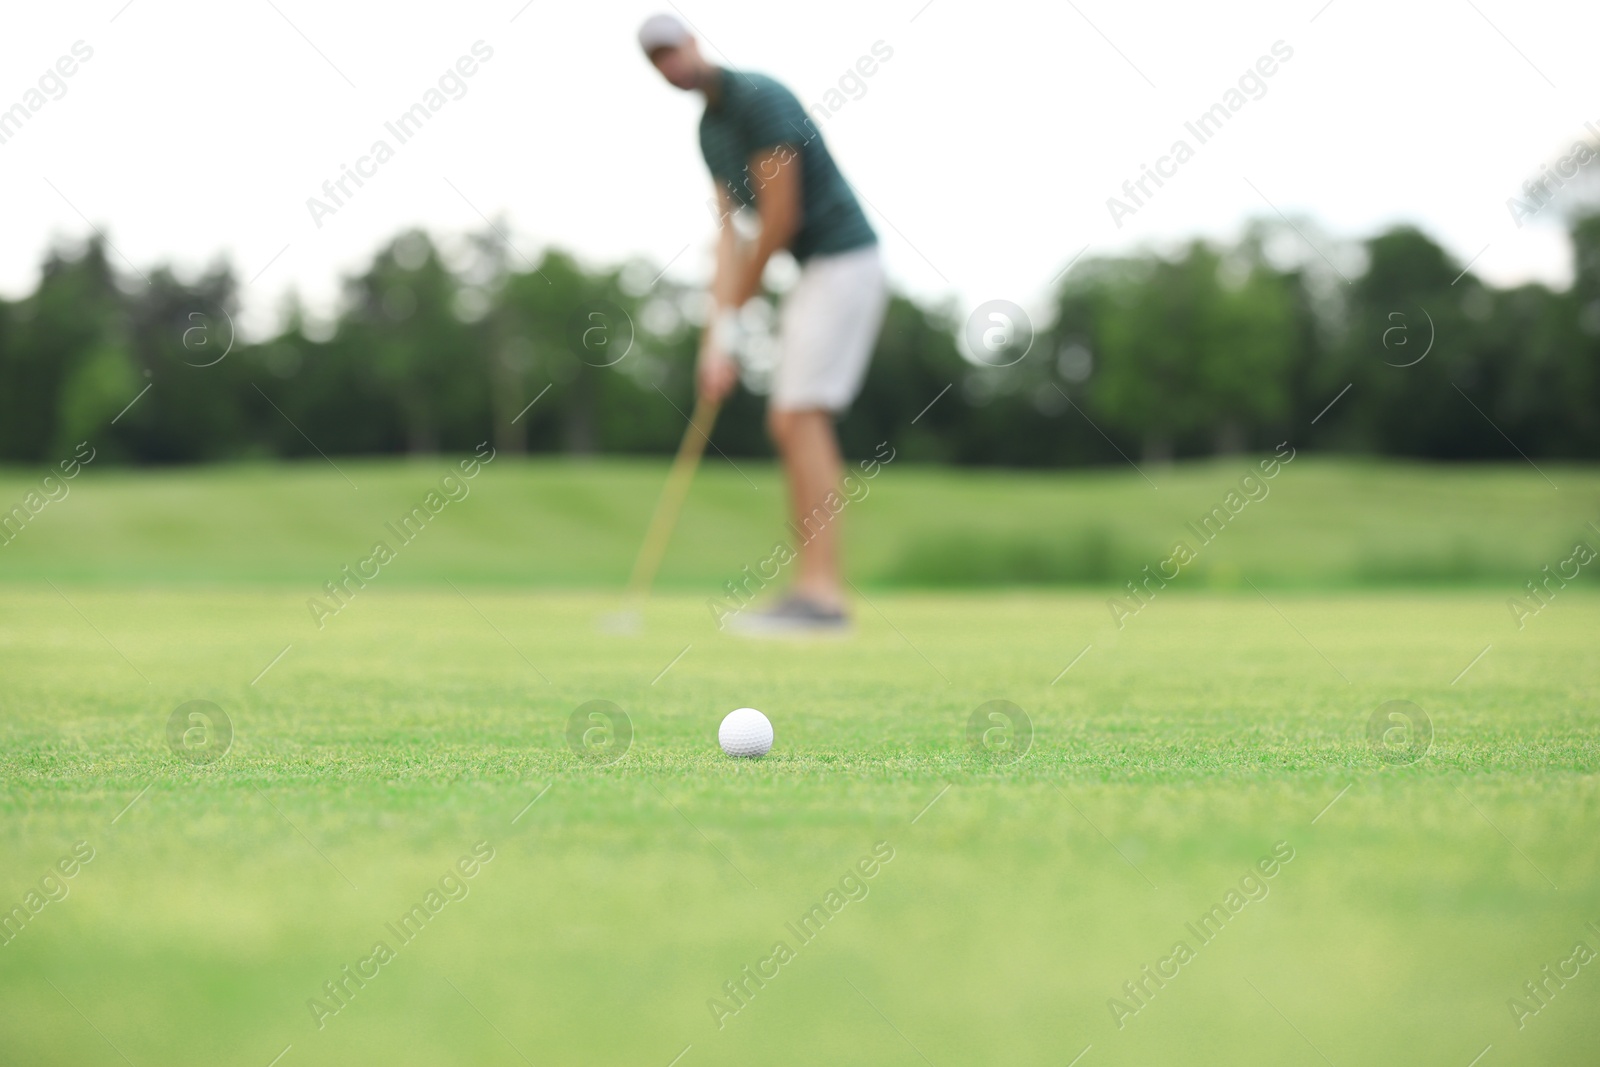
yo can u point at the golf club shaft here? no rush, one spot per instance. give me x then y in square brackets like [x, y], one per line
[673, 493]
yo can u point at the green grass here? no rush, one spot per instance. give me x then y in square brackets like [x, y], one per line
[1171, 758]
[545, 523]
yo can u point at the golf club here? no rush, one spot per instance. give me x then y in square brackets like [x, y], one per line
[695, 438]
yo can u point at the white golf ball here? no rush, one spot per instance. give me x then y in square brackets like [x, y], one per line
[745, 732]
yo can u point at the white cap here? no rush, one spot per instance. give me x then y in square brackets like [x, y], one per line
[661, 31]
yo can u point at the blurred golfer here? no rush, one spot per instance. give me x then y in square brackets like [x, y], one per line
[764, 153]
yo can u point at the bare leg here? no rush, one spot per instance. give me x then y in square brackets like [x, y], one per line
[809, 450]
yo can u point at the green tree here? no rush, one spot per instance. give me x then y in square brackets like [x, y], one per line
[417, 352]
[65, 370]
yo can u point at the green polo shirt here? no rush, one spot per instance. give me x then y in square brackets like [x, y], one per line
[754, 114]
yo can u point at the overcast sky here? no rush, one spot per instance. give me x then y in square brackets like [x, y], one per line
[986, 146]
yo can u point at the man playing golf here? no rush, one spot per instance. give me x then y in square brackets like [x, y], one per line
[764, 153]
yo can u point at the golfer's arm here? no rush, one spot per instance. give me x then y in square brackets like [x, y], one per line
[777, 170]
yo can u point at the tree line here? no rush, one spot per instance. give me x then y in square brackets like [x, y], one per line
[1385, 346]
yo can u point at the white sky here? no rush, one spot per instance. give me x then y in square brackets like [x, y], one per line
[986, 146]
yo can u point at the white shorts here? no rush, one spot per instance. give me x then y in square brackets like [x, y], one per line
[827, 327]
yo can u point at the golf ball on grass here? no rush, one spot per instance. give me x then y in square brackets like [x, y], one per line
[745, 732]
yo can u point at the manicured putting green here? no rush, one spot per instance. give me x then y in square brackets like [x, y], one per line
[932, 903]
